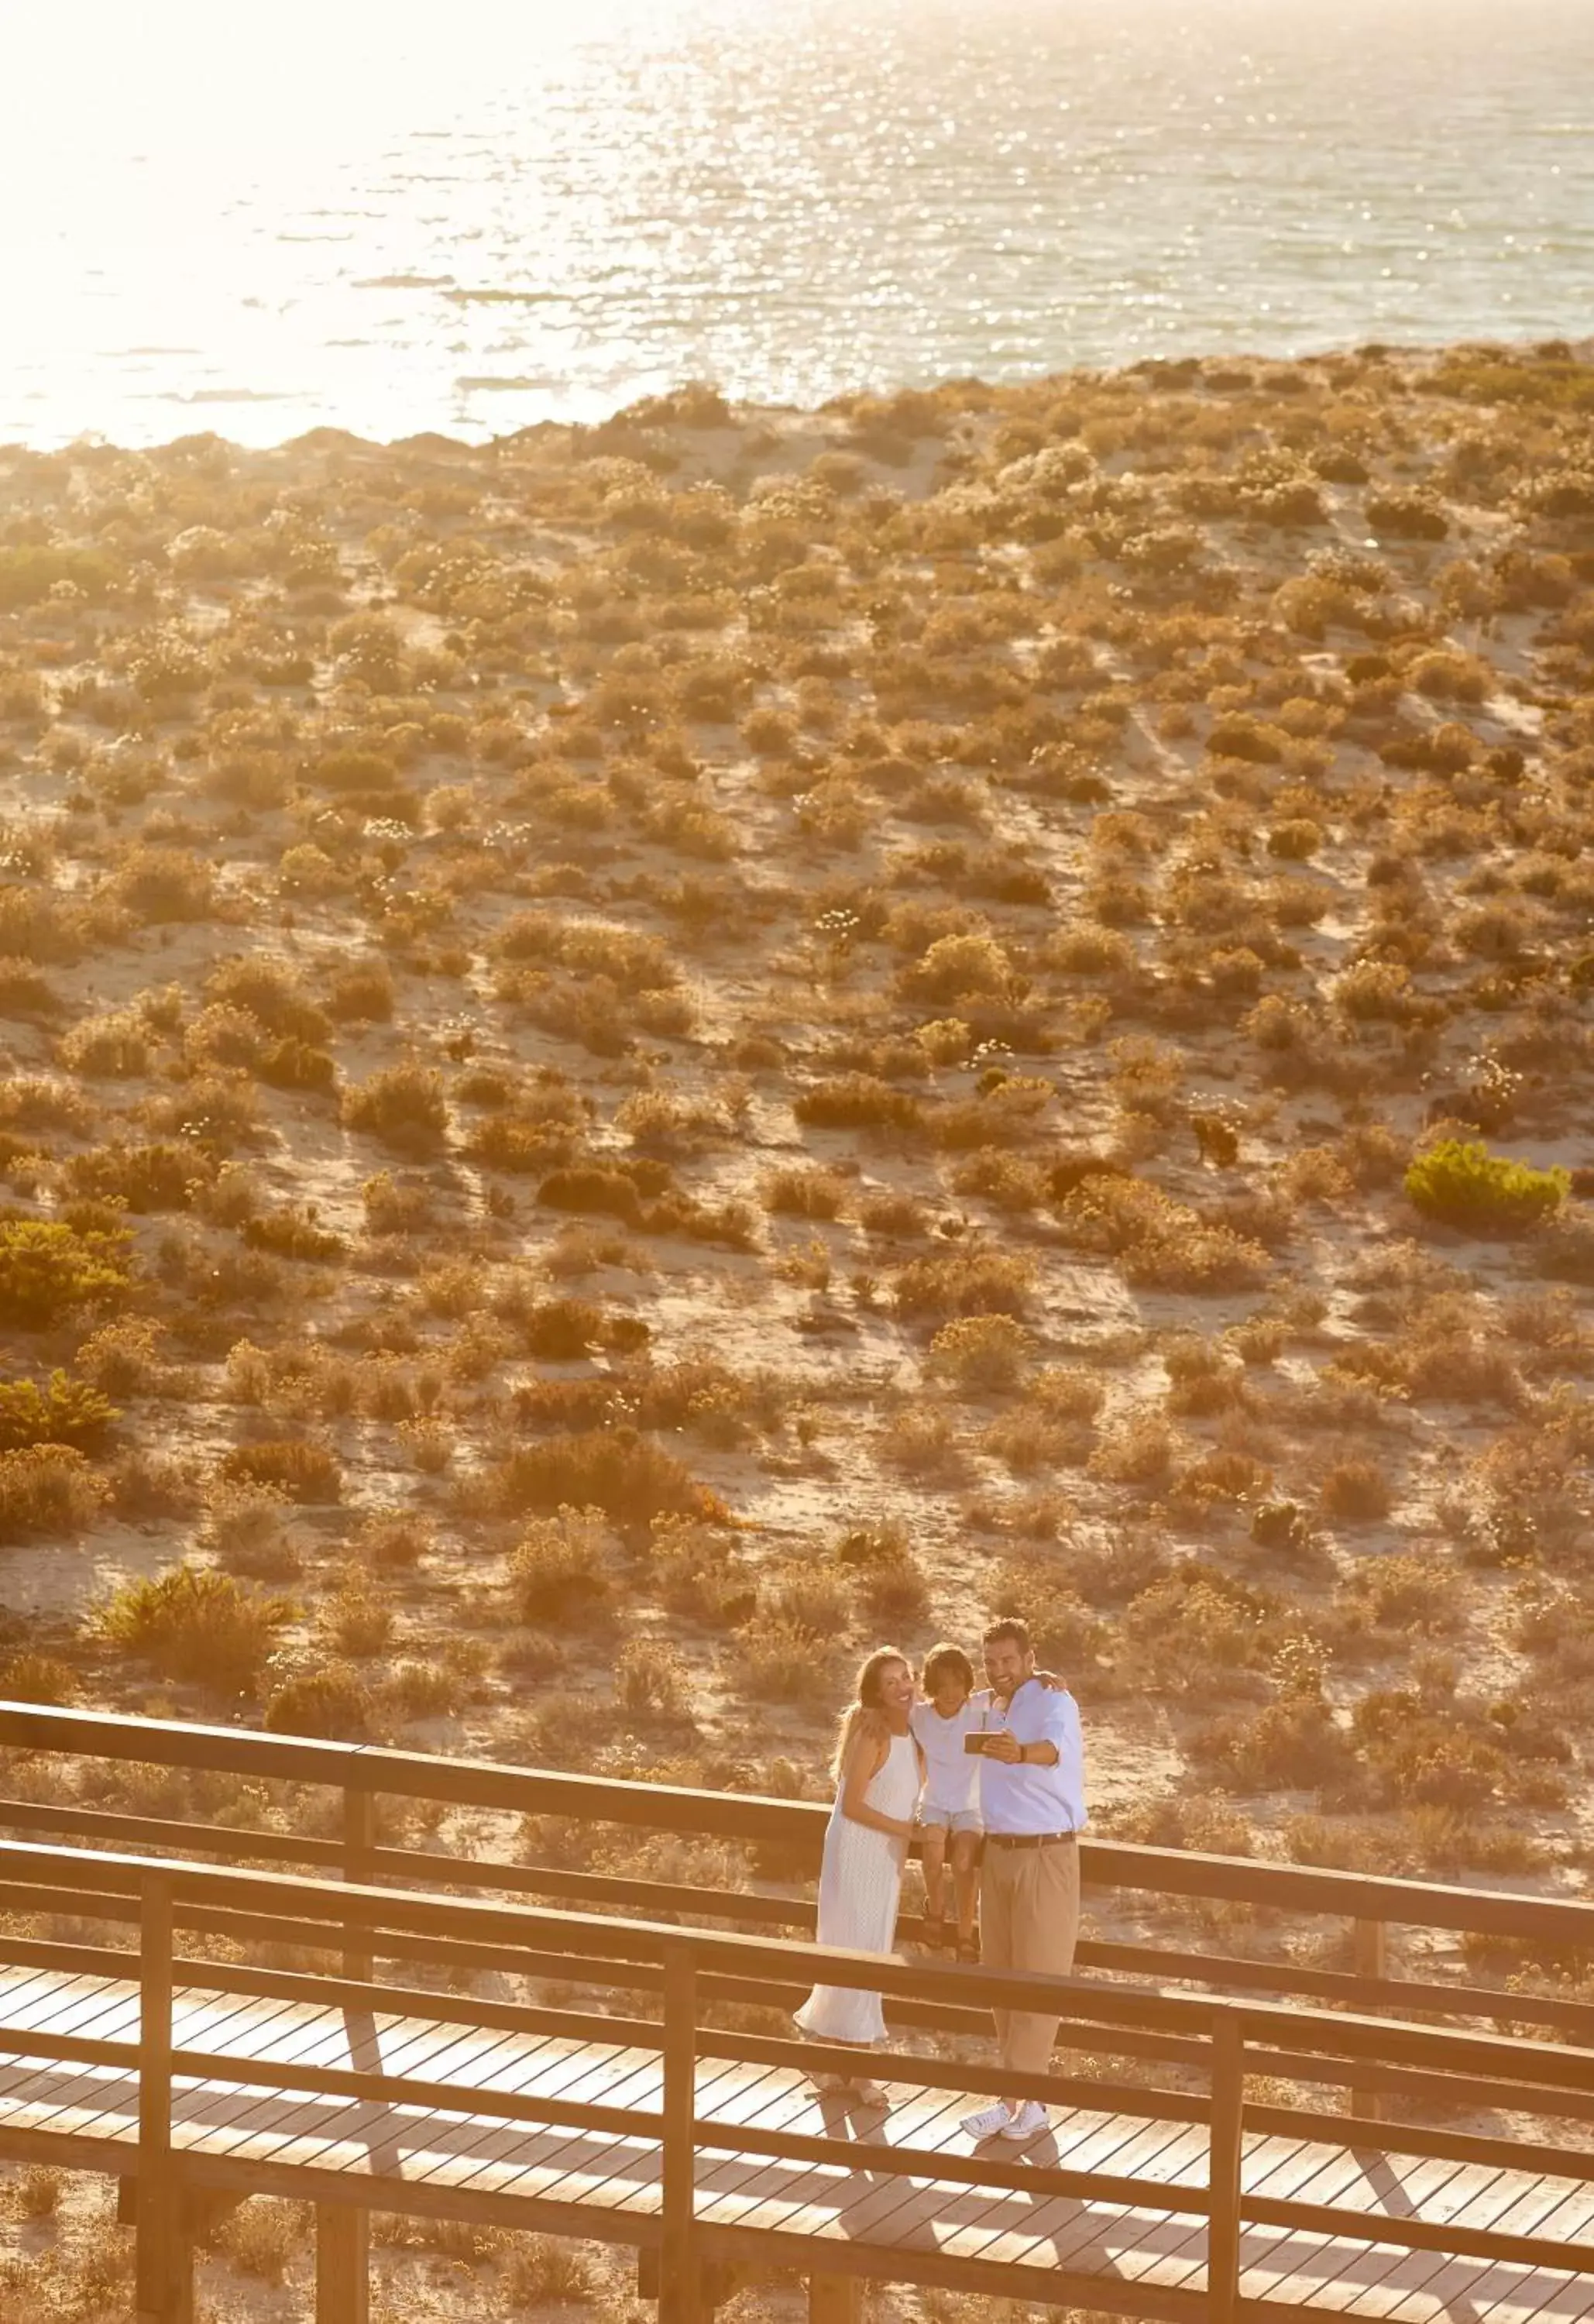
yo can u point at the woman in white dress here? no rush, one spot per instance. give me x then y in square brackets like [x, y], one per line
[879, 1771]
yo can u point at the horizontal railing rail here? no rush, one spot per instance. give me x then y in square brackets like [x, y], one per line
[372, 1769]
[1222, 2038]
[496, 1932]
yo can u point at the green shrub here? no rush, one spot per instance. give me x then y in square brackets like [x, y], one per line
[1462, 1185]
[191, 1622]
[305, 1472]
[51, 1272]
[61, 1411]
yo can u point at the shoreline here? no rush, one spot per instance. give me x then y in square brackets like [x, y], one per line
[1402, 353]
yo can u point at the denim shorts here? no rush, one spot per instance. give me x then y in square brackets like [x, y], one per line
[952, 1819]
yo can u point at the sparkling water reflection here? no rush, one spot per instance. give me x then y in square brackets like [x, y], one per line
[397, 217]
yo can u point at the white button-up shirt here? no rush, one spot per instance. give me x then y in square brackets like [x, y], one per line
[1031, 1799]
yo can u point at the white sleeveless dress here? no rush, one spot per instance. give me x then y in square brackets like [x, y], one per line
[860, 1880]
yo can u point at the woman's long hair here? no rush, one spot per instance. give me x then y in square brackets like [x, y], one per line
[866, 1697]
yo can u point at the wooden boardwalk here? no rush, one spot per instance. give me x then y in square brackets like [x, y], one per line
[1209, 2182]
[230, 2133]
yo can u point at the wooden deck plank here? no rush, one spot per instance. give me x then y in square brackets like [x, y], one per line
[1540, 2296]
[1332, 2175]
[1063, 2225]
[1348, 2275]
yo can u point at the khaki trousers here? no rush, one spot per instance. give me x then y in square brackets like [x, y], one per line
[1029, 1919]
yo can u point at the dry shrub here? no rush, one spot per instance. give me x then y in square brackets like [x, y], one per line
[629, 1477]
[330, 1700]
[546, 2268]
[1406, 1593]
[780, 1662]
[1159, 1244]
[301, 1469]
[361, 993]
[965, 1283]
[246, 1525]
[159, 885]
[805, 1194]
[113, 1046]
[272, 993]
[1038, 1586]
[404, 1106]
[147, 1486]
[193, 1623]
[920, 1443]
[47, 1489]
[165, 1176]
[857, 1101]
[979, 1355]
[593, 1188]
[900, 1216]
[394, 1540]
[652, 1678]
[56, 1410]
[1138, 1450]
[30, 1677]
[558, 1571]
[1292, 1744]
[263, 2236]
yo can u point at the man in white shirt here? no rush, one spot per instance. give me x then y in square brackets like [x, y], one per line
[1033, 1806]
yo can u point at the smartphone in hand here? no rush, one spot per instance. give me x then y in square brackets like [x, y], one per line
[977, 1743]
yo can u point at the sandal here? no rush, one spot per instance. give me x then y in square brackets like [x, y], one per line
[871, 2094]
[968, 1950]
[933, 1931]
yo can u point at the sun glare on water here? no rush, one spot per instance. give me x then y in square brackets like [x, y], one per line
[401, 216]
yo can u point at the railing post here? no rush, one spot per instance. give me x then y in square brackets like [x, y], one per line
[343, 2233]
[1372, 1960]
[678, 2302]
[1225, 2157]
[359, 1843]
[163, 2265]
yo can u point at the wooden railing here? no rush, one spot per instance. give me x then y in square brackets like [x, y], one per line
[1212, 2042]
[1370, 1909]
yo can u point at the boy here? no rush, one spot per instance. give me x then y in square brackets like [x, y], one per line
[949, 1814]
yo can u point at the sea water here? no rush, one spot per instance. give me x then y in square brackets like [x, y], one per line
[389, 216]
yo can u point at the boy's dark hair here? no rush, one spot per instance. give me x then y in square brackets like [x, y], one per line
[1009, 1627]
[943, 1658]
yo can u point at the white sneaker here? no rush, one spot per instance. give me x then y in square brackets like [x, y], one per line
[1029, 2121]
[990, 2122]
